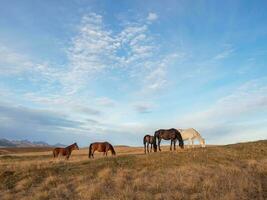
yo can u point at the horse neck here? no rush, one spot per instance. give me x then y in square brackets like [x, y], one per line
[112, 149]
[71, 147]
[199, 137]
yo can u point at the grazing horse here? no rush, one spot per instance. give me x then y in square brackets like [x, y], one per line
[191, 134]
[148, 139]
[65, 151]
[100, 147]
[168, 134]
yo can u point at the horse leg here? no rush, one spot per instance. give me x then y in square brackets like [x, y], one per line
[174, 143]
[68, 155]
[189, 143]
[192, 143]
[151, 147]
[171, 146]
[145, 147]
[93, 154]
[55, 153]
[159, 144]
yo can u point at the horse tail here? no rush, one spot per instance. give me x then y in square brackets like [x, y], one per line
[179, 137]
[112, 150]
[90, 151]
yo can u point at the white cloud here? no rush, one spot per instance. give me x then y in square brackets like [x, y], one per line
[105, 101]
[152, 16]
[143, 107]
[224, 54]
[96, 49]
[226, 114]
[20, 66]
[155, 78]
[13, 63]
[92, 51]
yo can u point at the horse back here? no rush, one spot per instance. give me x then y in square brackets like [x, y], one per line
[63, 151]
[190, 133]
[99, 146]
[166, 134]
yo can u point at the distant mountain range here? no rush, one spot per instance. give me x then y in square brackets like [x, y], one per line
[26, 143]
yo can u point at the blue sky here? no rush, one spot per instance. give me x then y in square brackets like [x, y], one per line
[86, 71]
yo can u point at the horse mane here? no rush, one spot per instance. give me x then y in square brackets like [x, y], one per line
[112, 149]
[179, 137]
[71, 145]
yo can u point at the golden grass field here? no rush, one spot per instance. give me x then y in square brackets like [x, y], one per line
[236, 171]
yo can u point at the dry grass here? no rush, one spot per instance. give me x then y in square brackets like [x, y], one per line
[13, 150]
[224, 172]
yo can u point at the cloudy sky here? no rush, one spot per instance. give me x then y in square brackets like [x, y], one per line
[89, 71]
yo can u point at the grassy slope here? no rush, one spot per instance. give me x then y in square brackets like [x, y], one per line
[11, 150]
[226, 172]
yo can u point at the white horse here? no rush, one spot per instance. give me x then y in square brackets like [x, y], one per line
[191, 134]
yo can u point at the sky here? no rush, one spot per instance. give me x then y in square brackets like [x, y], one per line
[84, 71]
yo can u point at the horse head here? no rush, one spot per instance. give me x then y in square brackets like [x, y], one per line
[76, 146]
[202, 142]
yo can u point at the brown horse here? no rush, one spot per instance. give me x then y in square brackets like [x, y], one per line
[100, 147]
[148, 139]
[168, 134]
[65, 151]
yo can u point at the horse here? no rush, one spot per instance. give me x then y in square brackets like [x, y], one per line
[100, 147]
[65, 151]
[191, 134]
[168, 134]
[148, 139]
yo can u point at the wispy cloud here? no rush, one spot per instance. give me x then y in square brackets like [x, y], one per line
[224, 54]
[12, 62]
[37, 118]
[97, 49]
[20, 66]
[227, 112]
[152, 16]
[156, 77]
[143, 107]
[105, 101]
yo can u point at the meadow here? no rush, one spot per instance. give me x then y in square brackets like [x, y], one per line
[237, 171]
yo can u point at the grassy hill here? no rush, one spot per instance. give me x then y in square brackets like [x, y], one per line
[236, 171]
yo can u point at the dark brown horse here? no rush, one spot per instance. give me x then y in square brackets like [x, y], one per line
[100, 147]
[168, 134]
[148, 139]
[65, 151]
